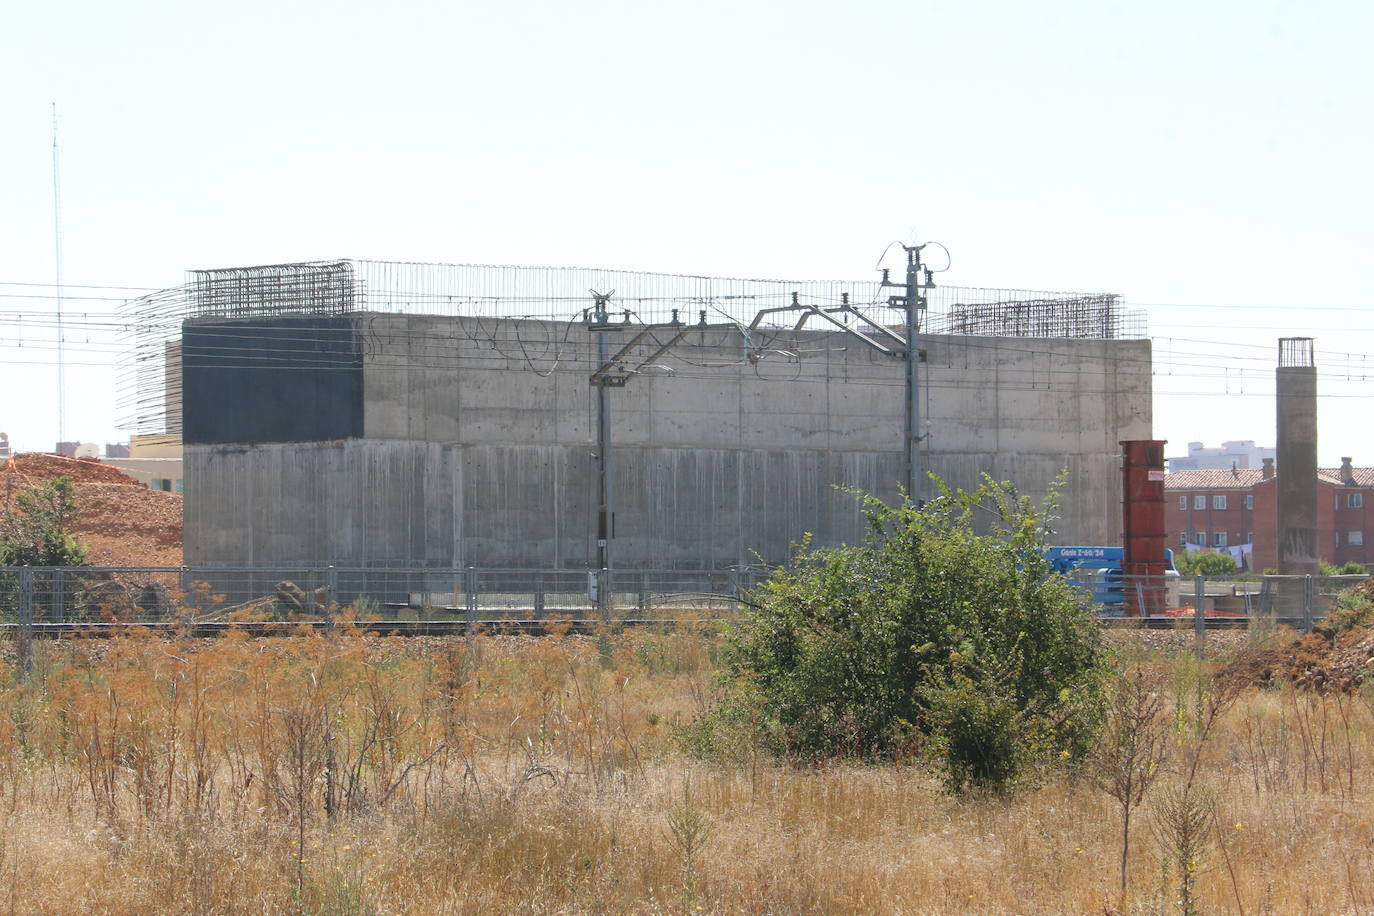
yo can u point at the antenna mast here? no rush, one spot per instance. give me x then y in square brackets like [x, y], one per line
[57, 246]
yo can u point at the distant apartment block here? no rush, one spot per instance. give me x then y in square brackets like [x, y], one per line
[1242, 454]
[153, 460]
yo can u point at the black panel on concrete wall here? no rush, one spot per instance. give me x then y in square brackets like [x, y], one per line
[289, 379]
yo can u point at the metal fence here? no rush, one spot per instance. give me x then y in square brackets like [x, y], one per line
[37, 599]
[72, 597]
[1297, 601]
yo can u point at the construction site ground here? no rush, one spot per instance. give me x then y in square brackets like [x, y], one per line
[124, 523]
[1338, 655]
[121, 522]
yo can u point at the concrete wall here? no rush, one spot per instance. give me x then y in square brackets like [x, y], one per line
[478, 449]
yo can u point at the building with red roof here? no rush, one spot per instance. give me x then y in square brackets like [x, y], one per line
[1236, 511]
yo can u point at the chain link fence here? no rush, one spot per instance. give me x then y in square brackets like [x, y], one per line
[1296, 601]
[58, 599]
[73, 597]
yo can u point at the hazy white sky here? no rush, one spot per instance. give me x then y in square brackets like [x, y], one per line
[1207, 160]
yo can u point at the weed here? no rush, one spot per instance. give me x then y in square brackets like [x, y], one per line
[689, 829]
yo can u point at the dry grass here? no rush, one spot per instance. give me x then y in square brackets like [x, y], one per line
[537, 775]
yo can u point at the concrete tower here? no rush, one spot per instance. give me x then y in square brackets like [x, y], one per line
[1297, 454]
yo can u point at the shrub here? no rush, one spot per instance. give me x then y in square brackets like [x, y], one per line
[1206, 564]
[928, 630]
[35, 532]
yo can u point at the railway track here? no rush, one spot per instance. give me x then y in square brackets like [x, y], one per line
[529, 625]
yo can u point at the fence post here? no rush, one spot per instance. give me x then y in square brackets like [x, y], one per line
[603, 594]
[331, 591]
[539, 594]
[1307, 604]
[1199, 620]
[643, 593]
[603, 639]
[59, 596]
[470, 587]
[24, 648]
[311, 605]
[188, 597]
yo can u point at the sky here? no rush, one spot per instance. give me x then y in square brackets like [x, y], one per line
[1208, 161]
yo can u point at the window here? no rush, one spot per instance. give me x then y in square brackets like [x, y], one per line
[1219, 501]
[1183, 502]
[1200, 501]
[1183, 539]
[1201, 539]
[1249, 537]
[1355, 538]
[1249, 500]
[1220, 539]
[181, 485]
[1354, 500]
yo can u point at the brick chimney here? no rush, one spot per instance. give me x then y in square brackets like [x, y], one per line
[1268, 470]
[1347, 471]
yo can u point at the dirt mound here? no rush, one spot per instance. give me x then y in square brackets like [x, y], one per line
[1324, 660]
[40, 466]
[129, 525]
[121, 521]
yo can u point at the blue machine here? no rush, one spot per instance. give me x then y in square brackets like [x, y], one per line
[1098, 570]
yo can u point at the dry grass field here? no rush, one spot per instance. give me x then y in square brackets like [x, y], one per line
[341, 774]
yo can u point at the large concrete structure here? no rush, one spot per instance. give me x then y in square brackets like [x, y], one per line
[392, 439]
[1297, 448]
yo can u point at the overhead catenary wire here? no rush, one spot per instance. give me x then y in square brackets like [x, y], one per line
[511, 307]
[1203, 359]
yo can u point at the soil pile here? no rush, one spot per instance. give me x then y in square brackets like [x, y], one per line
[1337, 656]
[121, 521]
[38, 467]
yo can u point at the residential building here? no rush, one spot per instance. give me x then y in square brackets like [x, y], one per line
[1237, 511]
[1241, 454]
[153, 460]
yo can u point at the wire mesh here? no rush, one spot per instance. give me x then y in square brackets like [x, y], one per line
[1295, 353]
[225, 596]
[150, 376]
[218, 597]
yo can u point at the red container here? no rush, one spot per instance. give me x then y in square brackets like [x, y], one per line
[1142, 519]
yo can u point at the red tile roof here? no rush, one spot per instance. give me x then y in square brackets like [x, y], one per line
[1242, 479]
[1245, 478]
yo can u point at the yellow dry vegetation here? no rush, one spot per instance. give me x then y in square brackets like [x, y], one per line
[343, 774]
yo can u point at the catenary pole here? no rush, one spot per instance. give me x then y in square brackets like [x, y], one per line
[600, 321]
[912, 303]
[915, 473]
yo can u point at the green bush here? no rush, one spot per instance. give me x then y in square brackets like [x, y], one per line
[35, 532]
[978, 731]
[1205, 564]
[929, 631]
[1347, 569]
